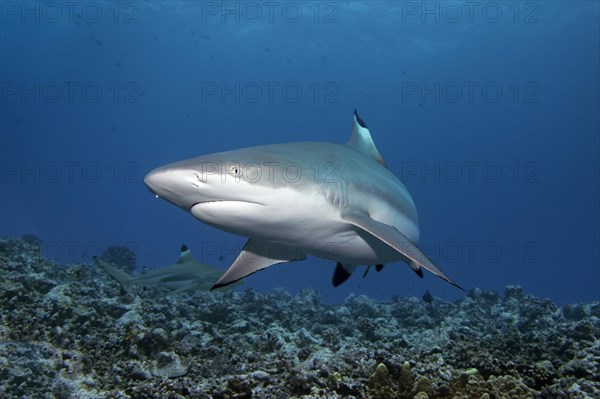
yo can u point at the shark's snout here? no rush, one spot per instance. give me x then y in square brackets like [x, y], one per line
[179, 185]
[154, 180]
[174, 185]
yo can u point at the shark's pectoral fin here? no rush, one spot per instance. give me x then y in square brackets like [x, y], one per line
[395, 239]
[256, 256]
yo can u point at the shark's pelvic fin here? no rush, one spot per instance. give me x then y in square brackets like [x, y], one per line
[395, 239]
[185, 255]
[342, 273]
[362, 141]
[256, 256]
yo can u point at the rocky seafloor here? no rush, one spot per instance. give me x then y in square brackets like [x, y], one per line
[72, 332]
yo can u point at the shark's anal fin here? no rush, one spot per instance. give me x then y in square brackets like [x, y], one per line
[395, 239]
[256, 256]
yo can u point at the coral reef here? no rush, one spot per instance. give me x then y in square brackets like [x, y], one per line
[120, 256]
[71, 332]
[32, 239]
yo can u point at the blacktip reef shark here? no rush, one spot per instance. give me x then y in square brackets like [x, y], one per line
[333, 201]
[187, 274]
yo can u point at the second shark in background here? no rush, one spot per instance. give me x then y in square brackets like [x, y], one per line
[185, 275]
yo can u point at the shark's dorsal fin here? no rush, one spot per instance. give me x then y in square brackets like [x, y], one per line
[362, 141]
[185, 255]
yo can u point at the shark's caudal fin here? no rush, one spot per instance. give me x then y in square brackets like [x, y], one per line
[256, 256]
[395, 239]
[119, 275]
[362, 141]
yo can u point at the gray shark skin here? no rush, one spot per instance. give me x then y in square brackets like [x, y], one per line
[333, 201]
[185, 275]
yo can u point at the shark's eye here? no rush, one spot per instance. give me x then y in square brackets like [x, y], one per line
[235, 170]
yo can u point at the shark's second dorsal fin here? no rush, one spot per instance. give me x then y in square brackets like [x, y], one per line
[185, 255]
[361, 140]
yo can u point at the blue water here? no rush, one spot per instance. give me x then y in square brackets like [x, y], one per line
[488, 112]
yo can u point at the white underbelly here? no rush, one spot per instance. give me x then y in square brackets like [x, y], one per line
[354, 247]
[299, 221]
[319, 230]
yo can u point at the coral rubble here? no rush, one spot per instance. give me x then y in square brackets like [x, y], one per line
[71, 332]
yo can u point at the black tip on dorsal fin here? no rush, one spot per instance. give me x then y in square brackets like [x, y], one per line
[340, 275]
[359, 119]
[379, 267]
[185, 255]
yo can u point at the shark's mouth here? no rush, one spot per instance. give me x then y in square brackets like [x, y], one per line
[227, 208]
[225, 202]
